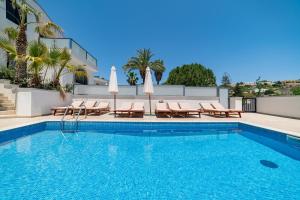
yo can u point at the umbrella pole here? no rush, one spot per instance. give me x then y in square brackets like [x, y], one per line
[115, 104]
[150, 103]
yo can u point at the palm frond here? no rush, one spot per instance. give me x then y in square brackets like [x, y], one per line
[14, 4]
[7, 46]
[11, 33]
[157, 66]
[132, 64]
[37, 55]
[53, 57]
[28, 9]
[65, 57]
[48, 29]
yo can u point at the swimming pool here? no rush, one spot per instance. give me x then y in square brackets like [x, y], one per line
[115, 160]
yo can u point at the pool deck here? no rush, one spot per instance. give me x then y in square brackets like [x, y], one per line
[282, 124]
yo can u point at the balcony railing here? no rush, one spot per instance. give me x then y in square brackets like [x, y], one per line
[76, 49]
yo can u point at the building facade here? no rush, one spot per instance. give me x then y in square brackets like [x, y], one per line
[80, 56]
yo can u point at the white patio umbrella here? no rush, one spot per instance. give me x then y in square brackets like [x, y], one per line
[113, 85]
[148, 86]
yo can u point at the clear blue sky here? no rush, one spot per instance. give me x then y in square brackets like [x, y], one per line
[246, 38]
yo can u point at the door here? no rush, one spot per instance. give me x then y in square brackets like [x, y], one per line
[249, 104]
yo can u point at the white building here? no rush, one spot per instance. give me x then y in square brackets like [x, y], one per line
[80, 56]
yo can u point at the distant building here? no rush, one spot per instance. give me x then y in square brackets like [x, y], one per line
[248, 84]
[262, 90]
[265, 82]
[9, 17]
[285, 91]
[291, 83]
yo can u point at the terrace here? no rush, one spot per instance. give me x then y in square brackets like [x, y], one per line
[80, 56]
[67, 134]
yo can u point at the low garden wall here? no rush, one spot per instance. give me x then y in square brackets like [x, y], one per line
[35, 102]
[161, 92]
[288, 106]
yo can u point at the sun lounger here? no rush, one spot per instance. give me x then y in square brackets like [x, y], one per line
[207, 107]
[137, 109]
[161, 109]
[89, 104]
[176, 110]
[97, 109]
[219, 106]
[124, 109]
[190, 110]
[62, 109]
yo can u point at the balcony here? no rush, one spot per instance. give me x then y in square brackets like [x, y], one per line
[80, 56]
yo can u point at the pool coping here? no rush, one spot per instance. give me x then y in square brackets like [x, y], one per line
[290, 133]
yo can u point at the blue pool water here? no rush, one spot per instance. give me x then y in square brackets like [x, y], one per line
[149, 161]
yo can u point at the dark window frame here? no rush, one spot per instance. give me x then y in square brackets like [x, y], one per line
[12, 14]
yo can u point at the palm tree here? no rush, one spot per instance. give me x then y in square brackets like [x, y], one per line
[52, 61]
[158, 73]
[65, 67]
[131, 78]
[38, 57]
[141, 62]
[7, 43]
[24, 9]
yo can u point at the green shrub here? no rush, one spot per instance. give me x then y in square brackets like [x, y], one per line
[296, 90]
[68, 88]
[269, 92]
[7, 73]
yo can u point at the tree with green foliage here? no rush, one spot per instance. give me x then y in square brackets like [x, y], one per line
[158, 73]
[278, 84]
[142, 61]
[192, 75]
[269, 92]
[259, 86]
[296, 90]
[237, 90]
[132, 78]
[226, 80]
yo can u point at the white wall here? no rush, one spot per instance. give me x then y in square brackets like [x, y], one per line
[281, 106]
[159, 90]
[90, 77]
[201, 91]
[35, 102]
[223, 94]
[102, 90]
[166, 90]
[236, 103]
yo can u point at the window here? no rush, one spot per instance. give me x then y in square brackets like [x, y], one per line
[81, 79]
[12, 13]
